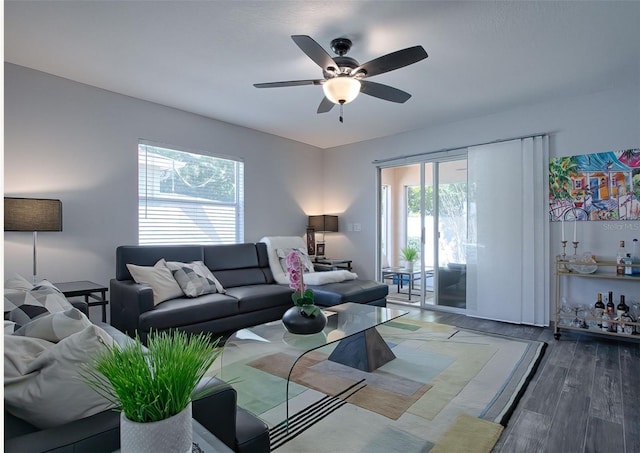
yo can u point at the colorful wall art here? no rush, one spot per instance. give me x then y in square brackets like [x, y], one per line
[600, 186]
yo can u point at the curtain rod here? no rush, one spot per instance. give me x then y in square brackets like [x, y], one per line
[447, 150]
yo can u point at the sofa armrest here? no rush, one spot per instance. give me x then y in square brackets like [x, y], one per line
[98, 433]
[252, 434]
[128, 301]
[237, 428]
[216, 411]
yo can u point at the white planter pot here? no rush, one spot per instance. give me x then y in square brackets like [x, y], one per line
[172, 435]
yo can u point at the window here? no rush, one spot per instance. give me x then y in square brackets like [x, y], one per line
[186, 198]
[412, 203]
[384, 222]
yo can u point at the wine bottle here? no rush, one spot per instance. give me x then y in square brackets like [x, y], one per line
[609, 314]
[621, 309]
[599, 310]
[611, 308]
[622, 253]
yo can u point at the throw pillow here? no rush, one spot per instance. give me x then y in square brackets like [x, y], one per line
[46, 284]
[42, 380]
[307, 265]
[204, 270]
[194, 278]
[55, 326]
[18, 282]
[23, 306]
[10, 327]
[160, 278]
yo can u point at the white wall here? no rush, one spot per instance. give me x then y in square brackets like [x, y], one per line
[77, 143]
[608, 120]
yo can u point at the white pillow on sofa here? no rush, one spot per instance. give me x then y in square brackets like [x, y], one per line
[307, 265]
[160, 278]
[42, 380]
[312, 278]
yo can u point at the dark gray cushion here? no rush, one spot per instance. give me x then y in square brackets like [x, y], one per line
[185, 311]
[259, 297]
[236, 264]
[358, 291]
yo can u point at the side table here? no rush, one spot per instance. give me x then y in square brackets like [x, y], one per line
[326, 264]
[89, 290]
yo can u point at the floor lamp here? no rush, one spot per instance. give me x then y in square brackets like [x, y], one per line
[32, 214]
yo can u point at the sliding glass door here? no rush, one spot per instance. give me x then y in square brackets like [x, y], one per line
[425, 209]
[451, 196]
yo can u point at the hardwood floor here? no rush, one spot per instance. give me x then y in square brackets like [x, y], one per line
[584, 397]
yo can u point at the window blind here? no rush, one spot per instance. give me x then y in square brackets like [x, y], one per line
[189, 198]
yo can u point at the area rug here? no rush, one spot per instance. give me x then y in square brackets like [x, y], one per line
[447, 390]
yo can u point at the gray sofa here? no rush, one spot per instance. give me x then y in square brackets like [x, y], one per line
[218, 412]
[252, 296]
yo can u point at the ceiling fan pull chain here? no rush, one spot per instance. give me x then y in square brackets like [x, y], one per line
[341, 119]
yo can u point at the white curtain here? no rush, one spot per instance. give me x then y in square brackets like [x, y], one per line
[508, 257]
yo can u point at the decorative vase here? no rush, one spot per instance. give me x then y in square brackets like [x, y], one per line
[295, 321]
[173, 434]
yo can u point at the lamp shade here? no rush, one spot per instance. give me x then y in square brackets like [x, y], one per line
[32, 214]
[341, 89]
[324, 223]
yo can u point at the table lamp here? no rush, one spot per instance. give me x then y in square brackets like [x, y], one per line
[323, 224]
[32, 214]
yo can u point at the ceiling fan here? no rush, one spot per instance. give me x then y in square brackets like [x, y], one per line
[344, 76]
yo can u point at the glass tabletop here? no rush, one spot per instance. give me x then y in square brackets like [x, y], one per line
[249, 352]
[342, 321]
[405, 270]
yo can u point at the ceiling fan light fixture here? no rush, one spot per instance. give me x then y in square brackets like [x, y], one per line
[342, 89]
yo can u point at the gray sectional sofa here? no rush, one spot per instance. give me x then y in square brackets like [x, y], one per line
[251, 296]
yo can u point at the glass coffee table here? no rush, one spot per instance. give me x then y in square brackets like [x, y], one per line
[350, 331]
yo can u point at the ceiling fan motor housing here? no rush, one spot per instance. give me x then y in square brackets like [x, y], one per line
[345, 65]
[341, 46]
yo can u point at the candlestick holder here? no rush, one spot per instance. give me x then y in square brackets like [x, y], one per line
[562, 266]
[575, 247]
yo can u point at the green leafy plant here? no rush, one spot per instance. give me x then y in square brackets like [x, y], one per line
[560, 171]
[409, 254]
[157, 382]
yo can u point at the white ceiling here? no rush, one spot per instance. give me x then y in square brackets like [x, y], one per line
[204, 57]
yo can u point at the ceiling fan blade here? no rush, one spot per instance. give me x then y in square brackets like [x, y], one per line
[325, 105]
[391, 61]
[378, 90]
[314, 51]
[292, 83]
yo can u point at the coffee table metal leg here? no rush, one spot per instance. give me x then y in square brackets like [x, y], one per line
[366, 351]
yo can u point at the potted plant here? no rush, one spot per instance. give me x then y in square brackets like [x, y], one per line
[153, 387]
[410, 255]
[304, 317]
